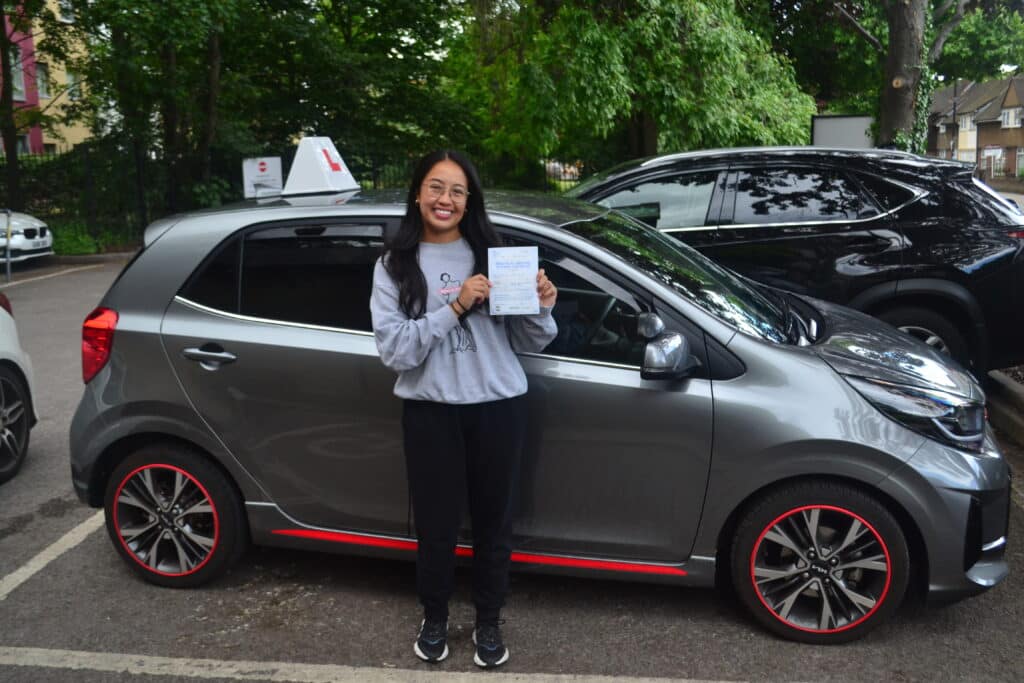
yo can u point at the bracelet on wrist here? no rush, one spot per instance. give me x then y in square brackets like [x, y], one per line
[461, 310]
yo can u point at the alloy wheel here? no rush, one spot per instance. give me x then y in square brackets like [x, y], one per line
[166, 520]
[13, 423]
[820, 569]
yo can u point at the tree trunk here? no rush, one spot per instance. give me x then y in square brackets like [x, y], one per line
[8, 127]
[903, 66]
[213, 55]
[171, 127]
[135, 118]
[642, 135]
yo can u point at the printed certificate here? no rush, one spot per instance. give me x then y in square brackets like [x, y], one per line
[513, 273]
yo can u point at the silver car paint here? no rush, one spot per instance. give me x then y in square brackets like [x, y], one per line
[714, 443]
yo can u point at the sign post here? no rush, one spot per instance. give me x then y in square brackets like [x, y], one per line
[7, 245]
[262, 176]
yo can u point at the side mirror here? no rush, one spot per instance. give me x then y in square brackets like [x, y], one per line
[649, 325]
[668, 357]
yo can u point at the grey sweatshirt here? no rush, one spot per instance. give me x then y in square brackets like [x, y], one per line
[440, 358]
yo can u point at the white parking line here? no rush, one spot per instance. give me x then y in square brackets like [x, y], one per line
[49, 554]
[269, 671]
[44, 277]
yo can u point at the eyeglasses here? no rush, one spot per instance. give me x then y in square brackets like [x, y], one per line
[457, 192]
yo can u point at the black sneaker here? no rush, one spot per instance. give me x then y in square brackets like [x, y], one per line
[490, 650]
[432, 643]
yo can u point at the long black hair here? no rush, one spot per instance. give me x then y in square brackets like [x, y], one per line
[401, 250]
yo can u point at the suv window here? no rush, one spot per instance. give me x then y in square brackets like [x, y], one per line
[888, 195]
[775, 195]
[676, 201]
[312, 274]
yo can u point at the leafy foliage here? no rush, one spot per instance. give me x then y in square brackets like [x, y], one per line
[565, 78]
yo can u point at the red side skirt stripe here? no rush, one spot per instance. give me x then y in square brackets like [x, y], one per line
[463, 551]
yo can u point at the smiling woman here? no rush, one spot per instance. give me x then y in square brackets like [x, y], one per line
[464, 410]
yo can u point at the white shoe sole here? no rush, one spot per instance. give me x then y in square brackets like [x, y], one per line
[419, 652]
[481, 663]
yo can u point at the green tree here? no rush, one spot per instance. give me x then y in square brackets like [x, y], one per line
[547, 77]
[985, 41]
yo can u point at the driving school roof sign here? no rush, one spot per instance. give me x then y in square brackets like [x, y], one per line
[318, 168]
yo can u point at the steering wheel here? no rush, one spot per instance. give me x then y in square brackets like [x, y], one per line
[596, 325]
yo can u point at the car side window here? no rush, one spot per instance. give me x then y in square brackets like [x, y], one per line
[676, 201]
[314, 274]
[597, 319]
[310, 274]
[888, 195]
[215, 283]
[777, 195]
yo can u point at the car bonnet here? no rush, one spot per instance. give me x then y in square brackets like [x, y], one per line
[859, 345]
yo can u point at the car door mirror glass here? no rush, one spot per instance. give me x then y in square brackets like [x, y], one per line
[668, 357]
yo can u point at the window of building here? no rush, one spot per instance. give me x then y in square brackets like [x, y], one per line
[66, 11]
[1011, 118]
[965, 122]
[672, 202]
[49, 148]
[17, 73]
[942, 129]
[43, 80]
[74, 86]
[23, 145]
[784, 195]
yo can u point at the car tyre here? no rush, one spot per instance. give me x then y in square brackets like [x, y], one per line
[933, 329]
[15, 422]
[174, 516]
[819, 562]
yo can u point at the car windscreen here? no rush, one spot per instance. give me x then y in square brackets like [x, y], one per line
[717, 290]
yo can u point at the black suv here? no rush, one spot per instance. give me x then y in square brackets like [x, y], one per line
[917, 242]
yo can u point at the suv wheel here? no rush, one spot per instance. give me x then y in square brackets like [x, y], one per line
[932, 328]
[820, 562]
[174, 517]
[14, 423]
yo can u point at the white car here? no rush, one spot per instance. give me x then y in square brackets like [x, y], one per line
[17, 412]
[30, 237]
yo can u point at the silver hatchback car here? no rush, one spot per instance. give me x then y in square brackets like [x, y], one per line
[687, 426]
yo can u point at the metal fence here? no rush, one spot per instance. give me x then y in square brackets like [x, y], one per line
[103, 192]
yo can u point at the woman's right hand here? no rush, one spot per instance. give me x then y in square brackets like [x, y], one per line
[474, 290]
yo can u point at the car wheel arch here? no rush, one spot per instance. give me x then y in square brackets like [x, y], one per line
[919, 572]
[117, 451]
[947, 299]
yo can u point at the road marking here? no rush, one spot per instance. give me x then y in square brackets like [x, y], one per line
[290, 672]
[49, 554]
[44, 277]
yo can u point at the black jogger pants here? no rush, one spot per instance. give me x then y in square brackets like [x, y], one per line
[454, 453]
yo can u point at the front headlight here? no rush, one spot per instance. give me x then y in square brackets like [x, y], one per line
[936, 414]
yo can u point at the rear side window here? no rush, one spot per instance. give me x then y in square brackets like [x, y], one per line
[973, 200]
[314, 274]
[776, 195]
[888, 195]
[676, 201]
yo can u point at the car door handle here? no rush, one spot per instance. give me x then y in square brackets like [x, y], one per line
[210, 356]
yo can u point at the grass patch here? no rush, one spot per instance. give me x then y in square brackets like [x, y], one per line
[73, 238]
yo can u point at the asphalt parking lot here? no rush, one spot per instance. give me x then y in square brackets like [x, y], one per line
[71, 611]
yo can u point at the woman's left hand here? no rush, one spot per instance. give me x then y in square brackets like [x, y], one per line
[546, 291]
